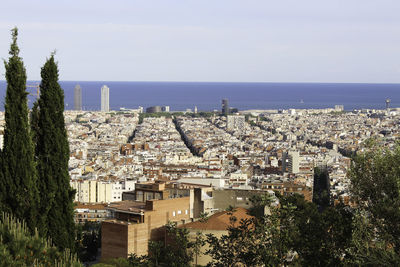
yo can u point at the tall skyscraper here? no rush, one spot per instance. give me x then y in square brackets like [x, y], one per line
[387, 102]
[105, 98]
[225, 107]
[78, 97]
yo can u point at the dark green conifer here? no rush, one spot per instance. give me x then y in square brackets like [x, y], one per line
[34, 121]
[20, 194]
[52, 151]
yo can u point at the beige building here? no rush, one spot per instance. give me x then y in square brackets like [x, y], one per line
[200, 196]
[138, 222]
[144, 212]
[87, 191]
[94, 191]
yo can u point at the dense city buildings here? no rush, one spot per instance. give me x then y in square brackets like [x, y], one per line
[134, 175]
[235, 123]
[105, 98]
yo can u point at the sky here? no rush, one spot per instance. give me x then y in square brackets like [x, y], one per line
[208, 40]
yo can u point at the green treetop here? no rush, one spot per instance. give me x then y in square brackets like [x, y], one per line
[19, 194]
[52, 151]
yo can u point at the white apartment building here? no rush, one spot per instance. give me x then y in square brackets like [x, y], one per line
[291, 160]
[93, 191]
[294, 162]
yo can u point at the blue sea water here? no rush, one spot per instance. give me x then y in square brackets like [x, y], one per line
[207, 96]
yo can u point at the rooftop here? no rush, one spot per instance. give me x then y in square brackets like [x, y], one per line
[128, 206]
[219, 221]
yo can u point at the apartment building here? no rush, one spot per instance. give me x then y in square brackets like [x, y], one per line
[90, 213]
[136, 222]
[96, 191]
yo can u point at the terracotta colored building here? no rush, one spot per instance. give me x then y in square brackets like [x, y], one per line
[138, 222]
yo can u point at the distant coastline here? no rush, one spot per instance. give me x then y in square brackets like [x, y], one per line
[207, 96]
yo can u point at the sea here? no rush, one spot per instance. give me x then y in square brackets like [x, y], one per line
[207, 96]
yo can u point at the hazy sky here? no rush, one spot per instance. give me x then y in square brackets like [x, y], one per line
[208, 40]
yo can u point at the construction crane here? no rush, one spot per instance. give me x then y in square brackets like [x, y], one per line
[37, 86]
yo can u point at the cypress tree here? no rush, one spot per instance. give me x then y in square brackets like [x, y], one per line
[52, 151]
[34, 121]
[20, 195]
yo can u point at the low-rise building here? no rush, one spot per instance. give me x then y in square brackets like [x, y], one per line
[91, 213]
[136, 222]
[97, 191]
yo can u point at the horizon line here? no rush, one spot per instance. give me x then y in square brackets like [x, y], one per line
[314, 82]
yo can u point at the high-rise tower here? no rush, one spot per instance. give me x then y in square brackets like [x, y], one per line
[105, 98]
[78, 97]
[225, 107]
[387, 103]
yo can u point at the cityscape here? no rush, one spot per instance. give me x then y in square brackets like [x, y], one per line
[191, 163]
[200, 133]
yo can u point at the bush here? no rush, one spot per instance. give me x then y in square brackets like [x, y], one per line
[19, 248]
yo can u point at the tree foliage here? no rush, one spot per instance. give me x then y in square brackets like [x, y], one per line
[323, 236]
[88, 241]
[261, 240]
[375, 178]
[365, 249]
[176, 251]
[52, 151]
[366, 235]
[321, 188]
[295, 227]
[18, 184]
[18, 247]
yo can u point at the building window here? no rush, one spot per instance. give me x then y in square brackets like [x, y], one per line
[186, 212]
[173, 214]
[179, 212]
